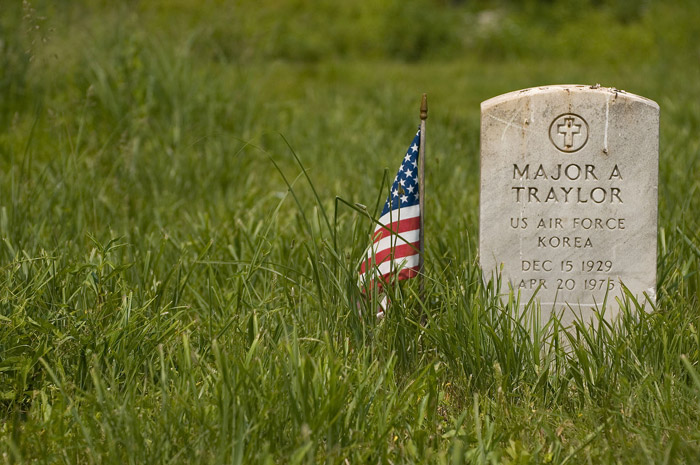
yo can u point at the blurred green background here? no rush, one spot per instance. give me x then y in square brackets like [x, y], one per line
[180, 86]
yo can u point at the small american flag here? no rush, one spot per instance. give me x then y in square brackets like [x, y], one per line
[390, 256]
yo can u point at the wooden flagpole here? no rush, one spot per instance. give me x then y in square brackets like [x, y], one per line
[421, 191]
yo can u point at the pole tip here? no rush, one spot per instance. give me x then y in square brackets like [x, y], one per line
[424, 107]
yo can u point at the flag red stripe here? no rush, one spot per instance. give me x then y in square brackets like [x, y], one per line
[398, 227]
[405, 273]
[400, 251]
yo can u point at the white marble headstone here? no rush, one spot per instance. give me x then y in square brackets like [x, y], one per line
[569, 178]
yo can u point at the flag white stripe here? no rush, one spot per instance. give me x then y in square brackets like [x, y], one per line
[407, 237]
[392, 265]
[399, 214]
[382, 305]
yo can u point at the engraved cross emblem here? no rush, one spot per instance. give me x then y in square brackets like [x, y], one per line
[568, 129]
[563, 129]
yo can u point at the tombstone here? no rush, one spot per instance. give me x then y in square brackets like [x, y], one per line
[569, 181]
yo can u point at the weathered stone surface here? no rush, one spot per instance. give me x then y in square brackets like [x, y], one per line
[569, 180]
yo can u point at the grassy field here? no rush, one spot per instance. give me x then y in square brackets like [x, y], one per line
[178, 280]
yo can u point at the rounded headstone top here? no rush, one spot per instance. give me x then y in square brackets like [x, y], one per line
[569, 88]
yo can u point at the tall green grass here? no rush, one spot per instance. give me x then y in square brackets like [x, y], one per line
[178, 279]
